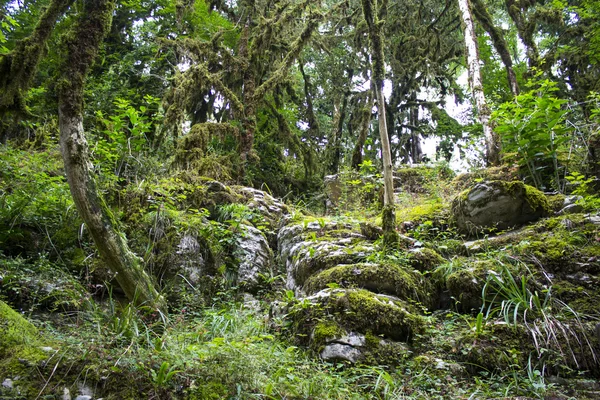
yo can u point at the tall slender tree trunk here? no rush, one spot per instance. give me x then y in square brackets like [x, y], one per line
[333, 152]
[82, 48]
[249, 118]
[365, 122]
[390, 236]
[492, 142]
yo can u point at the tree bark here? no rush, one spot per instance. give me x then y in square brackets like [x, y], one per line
[492, 142]
[334, 147]
[486, 21]
[365, 120]
[82, 48]
[390, 236]
[525, 30]
[19, 66]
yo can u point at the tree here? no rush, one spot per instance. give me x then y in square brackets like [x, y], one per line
[81, 49]
[492, 141]
[485, 19]
[390, 237]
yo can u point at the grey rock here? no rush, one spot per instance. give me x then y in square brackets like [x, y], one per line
[189, 260]
[340, 352]
[83, 397]
[302, 255]
[571, 200]
[333, 191]
[268, 206]
[255, 255]
[571, 209]
[7, 383]
[594, 219]
[352, 339]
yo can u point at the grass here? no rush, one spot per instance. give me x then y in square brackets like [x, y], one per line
[230, 351]
[551, 323]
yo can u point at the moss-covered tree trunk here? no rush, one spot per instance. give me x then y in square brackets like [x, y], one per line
[82, 47]
[492, 141]
[249, 99]
[486, 21]
[364, 123]
[334, 146]
[18, 67]
[390, 236]
[525, 29]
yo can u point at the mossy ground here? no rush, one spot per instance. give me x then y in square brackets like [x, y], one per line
[230, 350]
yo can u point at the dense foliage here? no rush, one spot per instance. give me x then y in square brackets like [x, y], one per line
[190, 118]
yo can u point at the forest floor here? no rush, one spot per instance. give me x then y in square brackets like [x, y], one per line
[79, 339]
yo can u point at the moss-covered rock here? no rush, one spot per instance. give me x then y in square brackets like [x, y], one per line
[389, 279]
[498, 205]
[418, 179]
[424, 259]
[315, 245]
[21, 348]
[466, 284]
[502, 173]
[359, 310]
[502, 347]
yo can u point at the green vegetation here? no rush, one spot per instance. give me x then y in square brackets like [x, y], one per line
[193, 202]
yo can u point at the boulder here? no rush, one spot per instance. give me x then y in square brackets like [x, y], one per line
[498, 205]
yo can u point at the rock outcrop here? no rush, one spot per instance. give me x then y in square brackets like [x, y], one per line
[357, 305]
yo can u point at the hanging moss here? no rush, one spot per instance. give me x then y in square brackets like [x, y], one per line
[18, 67]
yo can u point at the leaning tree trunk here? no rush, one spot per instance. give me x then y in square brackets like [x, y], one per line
[82, 47]
[390, 236]
[486, 21]
[492, 142]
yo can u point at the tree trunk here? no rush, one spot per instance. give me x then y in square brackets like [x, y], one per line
[19, 66]
[525, 31]
[82, 47]
[334, 147]
[486, 21]
[390, 236]
[492, 142]
[365, 120]
[249, 117]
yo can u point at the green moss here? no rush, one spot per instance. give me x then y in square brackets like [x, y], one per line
[536, 199]
[379, 278]
[379, 351]
[431, 209]
[466, 283]
[364, 311]
[324, 331]
[504, 347]
[556, 201]
[207, 391]
[20, 344]
[424, 259]
[582, 299]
